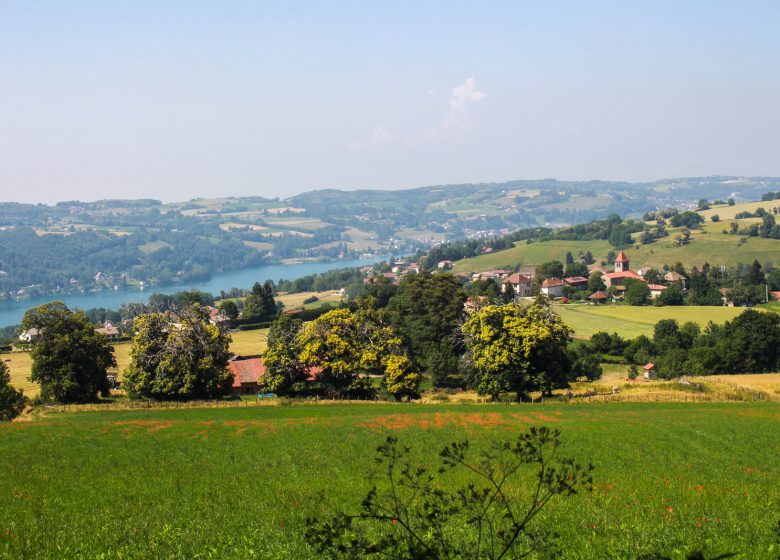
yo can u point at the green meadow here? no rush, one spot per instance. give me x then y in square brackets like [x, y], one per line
[708, 245]
[632, 321]
[240, 483]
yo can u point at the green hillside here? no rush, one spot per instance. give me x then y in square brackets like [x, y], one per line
[708, 244]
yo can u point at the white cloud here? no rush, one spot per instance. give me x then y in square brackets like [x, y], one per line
[455, 123]
[458, 120]
[464, 94]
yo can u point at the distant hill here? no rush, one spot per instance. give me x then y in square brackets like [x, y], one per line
[76, 246]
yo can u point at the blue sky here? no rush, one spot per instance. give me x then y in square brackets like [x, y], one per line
[177, 100]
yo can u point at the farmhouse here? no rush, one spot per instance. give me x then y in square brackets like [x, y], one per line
[656, 290]
[445, 264]
[246, 374]
[673, 276]
[598, 297]
[553, 287]
[649, 371]
[577, 282]
[109, 331]
[30, 335]
[520, 284]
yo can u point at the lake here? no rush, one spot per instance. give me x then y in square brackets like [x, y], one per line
[11, 312]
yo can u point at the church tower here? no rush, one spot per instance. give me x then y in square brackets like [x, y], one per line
[621, 262]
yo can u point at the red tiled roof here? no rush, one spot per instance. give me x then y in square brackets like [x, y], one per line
[649, 366]
[517, 278]
[624, 274]
[776, 295]
[552, 282]
[575, 279]
[246, 371]
[598, 295]
[621, 257]
[657, 287]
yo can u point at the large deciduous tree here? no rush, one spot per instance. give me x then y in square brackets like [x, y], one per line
[519, 348]
[71, 360]
[180, 358]
[12, 400]
[286, 374]
[346, 346]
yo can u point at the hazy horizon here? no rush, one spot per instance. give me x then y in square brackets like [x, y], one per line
[183, 100]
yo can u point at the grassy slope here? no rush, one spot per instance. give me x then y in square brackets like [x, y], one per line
[239, 483]
[708, 245]
[726, 212]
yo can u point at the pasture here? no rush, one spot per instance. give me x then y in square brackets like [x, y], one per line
[708, 245]
[632, 321]
[240, 483]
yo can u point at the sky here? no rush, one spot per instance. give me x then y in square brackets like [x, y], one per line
[183, 99]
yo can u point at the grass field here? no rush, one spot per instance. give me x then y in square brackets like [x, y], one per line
[240, 483]
[726, 212]
[631, 321]
[244, 343]
[707, 245]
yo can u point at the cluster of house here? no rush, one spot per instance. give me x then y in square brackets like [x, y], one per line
[33, 335]
[521, 283]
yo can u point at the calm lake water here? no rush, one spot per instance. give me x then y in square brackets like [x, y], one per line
[11, 312]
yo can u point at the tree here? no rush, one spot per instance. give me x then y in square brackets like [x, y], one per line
[637, 293]
[229, 309]
[260, 305]
[428, 310]
[347, 346]
[577, 269]
[584, 363]
[715, 218]
[587, 258]
[767, 225]
[518, 348]
[71, 360]
[633, 372]
[596, 282]
[666, 335]
[569, 259]
[285, 373]
[750, 343]
[419, 515]
[12, 400]
[550, 269]
[672, 295]
[619, 236]
[178, 359]
[755, 274]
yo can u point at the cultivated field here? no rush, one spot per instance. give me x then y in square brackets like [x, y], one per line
[726, 212]
[240, 483]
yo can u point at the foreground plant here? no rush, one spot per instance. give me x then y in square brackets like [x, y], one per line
[418, 515]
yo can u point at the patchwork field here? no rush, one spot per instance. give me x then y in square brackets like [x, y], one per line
[631, 321]
[240, 483]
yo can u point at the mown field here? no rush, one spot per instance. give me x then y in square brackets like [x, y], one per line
[632, 321]
[240, 483]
